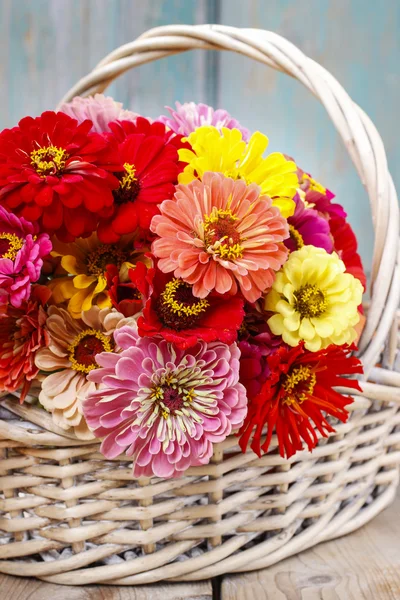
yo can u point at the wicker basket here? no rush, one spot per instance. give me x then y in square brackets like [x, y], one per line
[69, 516]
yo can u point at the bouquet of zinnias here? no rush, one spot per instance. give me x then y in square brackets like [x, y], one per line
[167, 283]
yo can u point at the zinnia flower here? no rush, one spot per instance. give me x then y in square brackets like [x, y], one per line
[190, 116]
[220, 234]
[179, 317]
[22, 334]
[150, 158]
[21, 257]
[70, 356]
[308, 227]
[164, 406]
[297, 396]
[346, 247]
[128, 297]
[57, 173]
[86, 261]
[256, 343]
[101, 110]
[314, 300]
[226, 152]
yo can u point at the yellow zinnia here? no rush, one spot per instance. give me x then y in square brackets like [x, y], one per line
[314, 300]
[225, 152]
[85, 261]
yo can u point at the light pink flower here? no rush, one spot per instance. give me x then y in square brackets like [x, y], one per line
[21, 257]
[189, 116]
[101, 110]
[164, 406]
[220, 234]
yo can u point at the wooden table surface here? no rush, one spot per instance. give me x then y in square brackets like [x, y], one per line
[364, 565]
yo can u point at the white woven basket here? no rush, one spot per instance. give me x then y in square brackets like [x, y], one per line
[69, 516]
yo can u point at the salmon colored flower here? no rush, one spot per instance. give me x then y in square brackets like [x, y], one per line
[69, 357]
[220, 235]
[297, 396]
[57, 173]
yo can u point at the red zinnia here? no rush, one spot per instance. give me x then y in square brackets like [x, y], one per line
[128, 296]
[181, 318]
[56, 172]
[299, 390]
[345, 244]
[149, 155]
[22, 334]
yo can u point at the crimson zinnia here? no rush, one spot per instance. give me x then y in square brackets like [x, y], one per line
[57, 173]
[295, 397]
[173, 312]
[149, 155]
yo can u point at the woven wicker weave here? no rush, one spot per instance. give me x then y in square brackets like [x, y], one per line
[69, 516]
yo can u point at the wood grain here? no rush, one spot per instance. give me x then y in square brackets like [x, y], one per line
[13, 588]
[364, 565]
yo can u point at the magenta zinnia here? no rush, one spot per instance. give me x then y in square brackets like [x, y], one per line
[164, 406]
[220, 234]
[21, 257]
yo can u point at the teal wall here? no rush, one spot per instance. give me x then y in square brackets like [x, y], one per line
[47, 45]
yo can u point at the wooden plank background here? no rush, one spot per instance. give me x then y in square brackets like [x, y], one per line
[47, 45]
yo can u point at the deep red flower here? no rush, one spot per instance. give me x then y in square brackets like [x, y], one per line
[182, 319]
[128, 296]
[22, 334]
[55, 172]
[149, 155]
[256, 343]
[345, 244]
[298, 395]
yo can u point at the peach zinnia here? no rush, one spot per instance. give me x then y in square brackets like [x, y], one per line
[220, 234]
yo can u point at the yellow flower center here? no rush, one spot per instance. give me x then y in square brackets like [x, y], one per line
[129, 185]
[83, 350]
[221, 236]
[104, 255]
[10, 244]
[296, 237]
[177, 307]
[49, 161]
[310, 301]
[299, 385]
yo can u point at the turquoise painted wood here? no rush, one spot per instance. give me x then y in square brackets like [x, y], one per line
[47, 45]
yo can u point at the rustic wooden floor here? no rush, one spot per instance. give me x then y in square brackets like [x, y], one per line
[362, 566]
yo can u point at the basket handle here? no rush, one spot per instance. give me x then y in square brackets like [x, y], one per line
[359, 135]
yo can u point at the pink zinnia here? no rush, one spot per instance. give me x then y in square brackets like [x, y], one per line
[21, 257]
[164, 406]
[220, 234]
[189, 116]
[101, 110]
